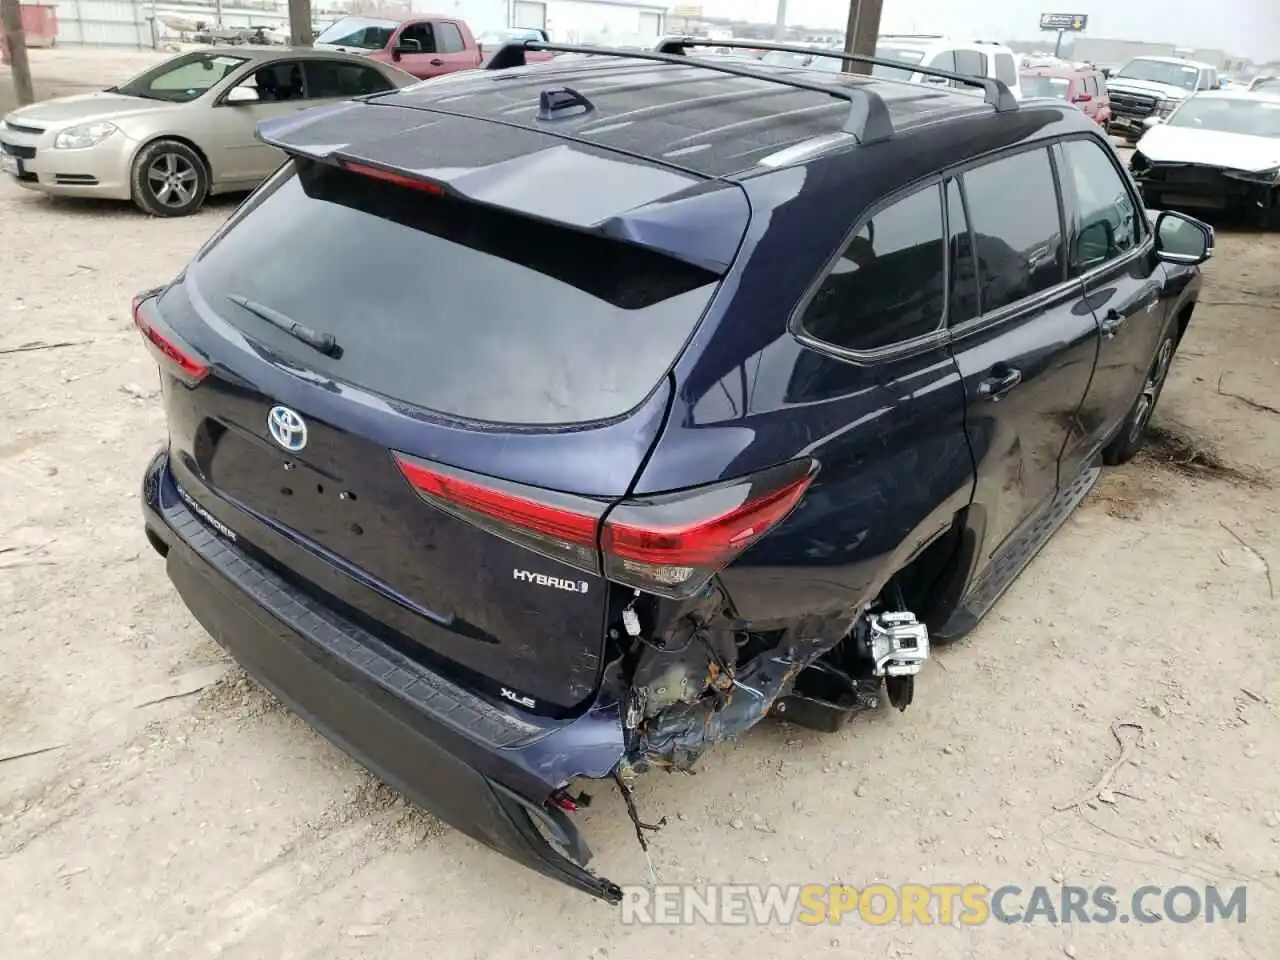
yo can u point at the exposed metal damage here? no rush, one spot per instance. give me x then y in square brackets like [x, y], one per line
[710, 678]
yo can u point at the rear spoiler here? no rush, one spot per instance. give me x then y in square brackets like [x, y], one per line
[696, 220]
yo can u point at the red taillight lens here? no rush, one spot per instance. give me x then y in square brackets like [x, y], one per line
[669, 545]
[388, 176]
[554, 525]
[672, 545]
[182, 360]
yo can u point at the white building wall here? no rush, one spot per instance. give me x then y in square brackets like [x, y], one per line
[581, 21]
[108, 22]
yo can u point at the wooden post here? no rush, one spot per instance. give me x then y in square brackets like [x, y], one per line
[862, 32]
[300, 23]
[15, 42]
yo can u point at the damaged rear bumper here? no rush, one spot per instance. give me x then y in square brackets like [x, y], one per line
[485, 771]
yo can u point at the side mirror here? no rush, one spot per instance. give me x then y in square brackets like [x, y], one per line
[1150, 122]
[1083, 97]
[407, 46]
[1183, 240]
[242, 94]
[1106, 72]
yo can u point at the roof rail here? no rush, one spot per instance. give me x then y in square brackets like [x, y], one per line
[868, 120]
[994, 91]
[912, 36]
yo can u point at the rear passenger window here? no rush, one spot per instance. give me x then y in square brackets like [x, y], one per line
[448, 38]
[971, 63]
[1006, 69]
[1109, 225]
[1013, 208]
[889, 286]
[946, 60]
[330, 79]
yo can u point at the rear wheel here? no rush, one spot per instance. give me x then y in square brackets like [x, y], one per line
[1129, 440]
[169, 179]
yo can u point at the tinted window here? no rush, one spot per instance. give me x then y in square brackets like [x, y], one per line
[1006, 69]
[1013, 206]
[1109, 224]
[448, 38]
[278, 82]
[332, 78]
[971, 63]
[964, 274]
[420, 32]
[465, 310]
[889, 285]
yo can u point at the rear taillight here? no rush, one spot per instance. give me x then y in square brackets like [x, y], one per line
[174, 355]
[670, 545]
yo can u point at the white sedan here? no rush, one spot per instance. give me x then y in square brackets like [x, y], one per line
[1219, 150]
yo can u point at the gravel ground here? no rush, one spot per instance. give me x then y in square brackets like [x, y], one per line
[154, 802]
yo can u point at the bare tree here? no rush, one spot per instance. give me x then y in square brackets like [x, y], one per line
[300, 23]
[15, 42]
[864, 28]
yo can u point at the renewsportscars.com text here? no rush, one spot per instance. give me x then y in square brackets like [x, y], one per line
[928, 904]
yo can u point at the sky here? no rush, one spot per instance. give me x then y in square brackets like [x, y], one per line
[1241, 27]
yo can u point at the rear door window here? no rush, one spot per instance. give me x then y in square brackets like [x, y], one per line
[971, 63]
[889, 285]
[946, 60]
[448, 38]
[468, 311]
[1017, 225]
[329, 79]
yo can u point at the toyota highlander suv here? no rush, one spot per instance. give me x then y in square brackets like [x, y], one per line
[561, 422]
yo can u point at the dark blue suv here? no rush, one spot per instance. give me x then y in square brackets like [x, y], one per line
[549, 423]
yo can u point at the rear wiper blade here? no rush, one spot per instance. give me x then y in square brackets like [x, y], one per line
[323, 342]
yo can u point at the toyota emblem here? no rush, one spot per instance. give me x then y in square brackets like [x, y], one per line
[287, 428]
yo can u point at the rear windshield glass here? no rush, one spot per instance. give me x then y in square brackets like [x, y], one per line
[360, 32]
[452, 307]
[1034, 85]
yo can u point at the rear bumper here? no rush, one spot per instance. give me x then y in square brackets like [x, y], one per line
[484, 771]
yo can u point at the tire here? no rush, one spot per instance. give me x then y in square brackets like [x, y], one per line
[1128, 441]
[169, 179]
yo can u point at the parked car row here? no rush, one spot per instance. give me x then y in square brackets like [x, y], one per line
[184, 130]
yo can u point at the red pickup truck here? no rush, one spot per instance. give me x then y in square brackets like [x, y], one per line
[423, 44]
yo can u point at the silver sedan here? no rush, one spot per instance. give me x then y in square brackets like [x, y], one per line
[182, 130]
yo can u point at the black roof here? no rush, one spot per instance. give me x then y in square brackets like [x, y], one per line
[691, 117]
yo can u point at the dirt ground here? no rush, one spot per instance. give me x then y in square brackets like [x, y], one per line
[154, 802]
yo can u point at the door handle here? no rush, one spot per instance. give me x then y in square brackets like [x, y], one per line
[1112, 323]
[995, 388]
[437, 62]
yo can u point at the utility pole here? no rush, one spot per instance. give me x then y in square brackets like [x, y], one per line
[780, 24]
[863, 30]
[15, 45]
[300, 23]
